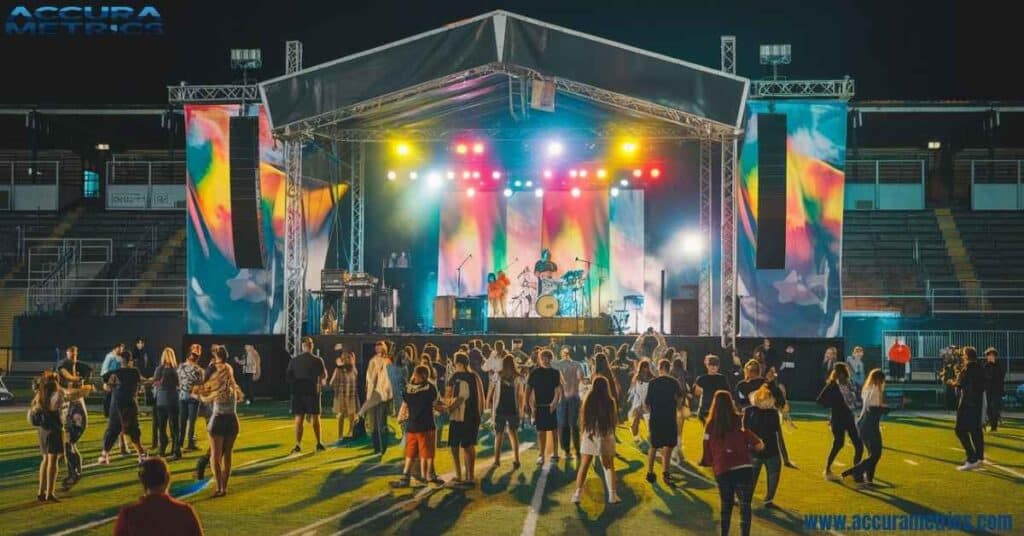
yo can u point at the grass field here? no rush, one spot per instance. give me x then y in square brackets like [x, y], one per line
[345, 490]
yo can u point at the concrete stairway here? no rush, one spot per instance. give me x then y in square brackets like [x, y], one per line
[158, 265]
[963, 268]
[59, 231]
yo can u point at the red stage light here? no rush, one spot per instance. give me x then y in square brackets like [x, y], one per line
[462, 148]
[575, 192]
[655, 173]
[638, 173]
[476, 174]
[478, 148]
[573, 173]
[583, 173]
[548, 174]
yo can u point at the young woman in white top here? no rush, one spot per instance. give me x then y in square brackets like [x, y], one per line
[637, 395]
[869, 427]
[598, 420]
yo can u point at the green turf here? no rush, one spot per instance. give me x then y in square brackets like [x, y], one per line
[271, 493]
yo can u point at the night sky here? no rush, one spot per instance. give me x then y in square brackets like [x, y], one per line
[915, 50]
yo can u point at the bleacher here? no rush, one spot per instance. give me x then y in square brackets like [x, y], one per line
[995, 241]
[888, 257]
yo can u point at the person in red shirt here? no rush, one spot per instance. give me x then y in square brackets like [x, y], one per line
[899, 356]
[727, 450]
[157, 513]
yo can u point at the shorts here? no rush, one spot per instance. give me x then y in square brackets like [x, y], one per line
[503, 421]
[568, 412]
[305, 404]
[420, 444]
[51, 440]
[544, 419]
[225, 425]
[663, 434]
[593, 445]
[463, 434]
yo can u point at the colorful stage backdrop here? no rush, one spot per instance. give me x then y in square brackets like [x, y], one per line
[805, 298]
[223, 299]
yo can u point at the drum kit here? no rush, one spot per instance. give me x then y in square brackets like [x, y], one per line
[557, 296]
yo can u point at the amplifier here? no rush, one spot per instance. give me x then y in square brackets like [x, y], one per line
[332, 280]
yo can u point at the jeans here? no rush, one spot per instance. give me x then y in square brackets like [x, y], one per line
[122, 420]
[187, 411]
[732, 484]
[773, 468]
[841, 428]
[568, 416]
[164, 416]
[377, 421]
[871, 434]
[994, 409]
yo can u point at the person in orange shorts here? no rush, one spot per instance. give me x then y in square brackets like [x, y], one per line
[417, 412]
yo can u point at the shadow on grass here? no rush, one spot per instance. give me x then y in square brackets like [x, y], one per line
[252, 448]
[337, 482]
[908, 506]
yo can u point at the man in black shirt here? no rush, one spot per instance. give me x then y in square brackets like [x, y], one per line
[995, 378]
[306, 373]
[707, 384]
[970, 385]
[753, 381]
[663, 395]
[772, 360]
[545, 386]
[73, 375]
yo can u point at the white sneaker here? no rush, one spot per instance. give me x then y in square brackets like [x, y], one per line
[832, 477]
[104, 459]
[576, 496]
[614, 498]
[968, 466]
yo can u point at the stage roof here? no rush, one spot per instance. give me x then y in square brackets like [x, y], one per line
[472, 69]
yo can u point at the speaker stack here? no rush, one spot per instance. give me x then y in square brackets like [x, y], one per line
[246, 217]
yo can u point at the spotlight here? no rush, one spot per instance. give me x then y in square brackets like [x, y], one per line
[466, 175]
[402, 149]
[476, 174]
[508, 192]
[434, 180]
[601, 173]
[628, 147]
[575, 192]
[615, 192]
[934, 145]
[478, 148]
[392, 175]
[555, 148]
[517, 184]
[691, 244]
[573, 173]
[413, 175]
[529, 184]
[471, 192]
[548, 173]
[624, 183]
[583, 173]
[539, 192]
[462, 148]
[496, 175]
[451, 175]
[638, 173]
[655, 173]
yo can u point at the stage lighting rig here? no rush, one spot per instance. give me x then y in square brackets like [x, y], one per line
[776, 55]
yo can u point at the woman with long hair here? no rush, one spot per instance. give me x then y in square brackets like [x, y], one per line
[344, 383]
[678, 371]
[598, 419]
[223, 395]
[869, 427]
[762, 418]
[727, 450]
[44, 414]
[165, 389]
[506, 402]
[637, 394]
[603, 368]
[840, 396]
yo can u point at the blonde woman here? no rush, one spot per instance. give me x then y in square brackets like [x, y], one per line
[869, 426]
[221, 391]
[165, 389]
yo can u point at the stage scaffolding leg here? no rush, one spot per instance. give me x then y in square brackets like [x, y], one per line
[294, 223]
[705, 290]
[727, 306]
[357, 197]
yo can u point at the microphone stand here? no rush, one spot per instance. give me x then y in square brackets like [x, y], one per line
[458, 277]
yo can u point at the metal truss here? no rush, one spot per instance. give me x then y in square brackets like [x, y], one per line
[212, 94]
[774, 89]
[371, 135]
[357, 195]
[295, 228]
[706, 288]
[689, 121]
[729, 54]
[727, 305]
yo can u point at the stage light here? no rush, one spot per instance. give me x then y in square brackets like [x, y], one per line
[517, 184]
[575, 192]
[402, 149]
[691, 244]
[548, 174]
[583, 173]
[573, 173]
[466, 175]
[478, 148]
[624, 183]
[434, 180]
[555, 148]
[471, 192]
[529, 184]
[615, 192]
[451, 175]
[601, 173]
[628, 147]
[539, 192]
[508, 192]
[392, 175]
[476, 174]
[413, 175]
[462, 148]
[638, 173]
[655, 173]
[496, 175]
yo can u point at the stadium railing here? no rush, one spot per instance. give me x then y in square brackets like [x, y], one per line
[927, 346]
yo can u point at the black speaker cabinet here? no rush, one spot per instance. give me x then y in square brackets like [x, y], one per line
[684, 316]
[246, 218]
[771, 191]
[470, 315]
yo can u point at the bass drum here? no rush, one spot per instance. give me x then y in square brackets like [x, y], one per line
[547, 306]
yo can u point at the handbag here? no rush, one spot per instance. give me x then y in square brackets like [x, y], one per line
[36, 416]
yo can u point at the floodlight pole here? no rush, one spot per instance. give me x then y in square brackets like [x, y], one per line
[295, 226]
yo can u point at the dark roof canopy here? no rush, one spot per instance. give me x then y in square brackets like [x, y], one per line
[462, 73]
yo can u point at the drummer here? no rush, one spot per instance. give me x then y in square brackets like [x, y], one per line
[545, 268]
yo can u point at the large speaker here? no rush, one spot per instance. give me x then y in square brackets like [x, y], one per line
[358, 311]
[246, 220]
[684, 316]
[444, 312]
[771, 191]
[470, 315]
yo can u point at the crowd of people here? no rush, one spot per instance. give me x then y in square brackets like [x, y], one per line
[574, 398]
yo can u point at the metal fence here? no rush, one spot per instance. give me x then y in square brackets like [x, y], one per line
[926, 347]
[115, 295]
[997, 184]
[30, 174]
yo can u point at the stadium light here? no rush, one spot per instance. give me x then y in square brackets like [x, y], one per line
[517, 184]
[583, 173]
[102, 146]
[246, 59]
[466, 175]
[629, 147]
[529, 184]
[548, 174]
[476, 174]
[934, 145]
[402, 149]
[573, 173]
[451, 175]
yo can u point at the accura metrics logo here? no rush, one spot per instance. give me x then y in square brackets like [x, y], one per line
[84, 20]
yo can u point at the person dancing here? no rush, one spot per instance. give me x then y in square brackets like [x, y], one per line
[124, 384]
[344, 381]
[497, 293]
[165, 389]
[44, 414]
[223, 394]
[970, 385]
[74, 376]
[505, 400]
[869, 426]
[727, 450]
[598, 420]
[840, 397]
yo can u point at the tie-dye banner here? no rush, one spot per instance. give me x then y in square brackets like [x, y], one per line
[223, 299]
[805, 298]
